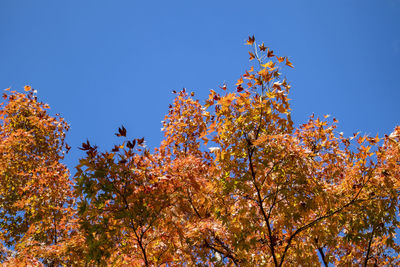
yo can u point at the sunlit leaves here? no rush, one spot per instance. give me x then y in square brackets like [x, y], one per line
[35, 190]
[233, 182]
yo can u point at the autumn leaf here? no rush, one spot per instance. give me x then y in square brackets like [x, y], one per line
[140, 141]
[115, 149]
[130, 144]
[223, 87]
[252, 56]
[288, 63]
[240, 81]
[251, 40]
[234, 182]
[281, 59]
[121, 132]
[86, 146]
[36, 193]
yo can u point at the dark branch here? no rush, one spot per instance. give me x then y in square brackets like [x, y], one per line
[321, 252]
[367, 257]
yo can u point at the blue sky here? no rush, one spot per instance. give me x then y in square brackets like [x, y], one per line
[102, 64]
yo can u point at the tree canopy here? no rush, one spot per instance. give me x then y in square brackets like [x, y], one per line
[233, 183]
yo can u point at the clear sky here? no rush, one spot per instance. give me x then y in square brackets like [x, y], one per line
[102, 64]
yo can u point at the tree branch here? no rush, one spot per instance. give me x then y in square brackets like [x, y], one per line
[369, 247]
[321, 252]
[260, 204]
[227, 255]
[304, 227]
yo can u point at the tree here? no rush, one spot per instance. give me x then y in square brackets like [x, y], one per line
[36, 216]
[235, 183]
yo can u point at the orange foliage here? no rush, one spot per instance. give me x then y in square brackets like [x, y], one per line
[232, 183]
[35, 188]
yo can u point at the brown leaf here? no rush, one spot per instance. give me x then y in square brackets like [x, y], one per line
[121, 132]
[252, 56]
[251, 40]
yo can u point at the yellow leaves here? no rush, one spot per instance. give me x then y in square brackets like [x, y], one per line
[222, 155]
[227, 100]
[361, 140]
[184, 200]
[269, 65]
[267, 70]
[240, 81]
[263, 72]
[271, 95]
[374, 140]
[35, 177]
[211, 96]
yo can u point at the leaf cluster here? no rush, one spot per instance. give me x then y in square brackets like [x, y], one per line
[234, 182]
